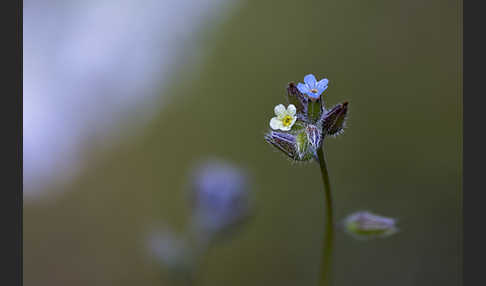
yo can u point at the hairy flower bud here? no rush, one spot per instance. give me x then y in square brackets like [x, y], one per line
[284, 142]
[295, 146]
[296, 98]
[314, 136]
[333, 121]
[220, 198]
[304, 150]
[366, 225]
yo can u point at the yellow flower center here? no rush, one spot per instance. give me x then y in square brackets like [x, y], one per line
[287, 120]
[314, 90]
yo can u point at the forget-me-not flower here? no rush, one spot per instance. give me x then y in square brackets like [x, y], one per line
[306, 120]
[284, 118]
[312, 87]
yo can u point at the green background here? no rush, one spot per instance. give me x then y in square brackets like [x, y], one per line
[398, 63]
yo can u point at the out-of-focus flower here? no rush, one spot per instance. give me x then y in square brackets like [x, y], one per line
[220, 202]
[168, 249]
[78, 54]
[220, 198]
[285, 118]
[366, 225]
[312, 87]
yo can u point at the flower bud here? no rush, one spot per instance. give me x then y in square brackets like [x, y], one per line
[313, 136]
[296, 98]
[284, 142]
[220, 198]
[304, 152]
[333, 121]
[296, 146]
[365, 225]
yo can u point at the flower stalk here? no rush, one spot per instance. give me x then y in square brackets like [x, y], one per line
[327, 249]
[299, 132]
[305, 124]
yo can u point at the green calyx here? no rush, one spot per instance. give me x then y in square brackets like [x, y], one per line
[304, 151]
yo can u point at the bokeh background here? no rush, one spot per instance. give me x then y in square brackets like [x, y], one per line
[121, 98]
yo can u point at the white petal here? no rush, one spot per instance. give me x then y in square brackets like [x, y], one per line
[279, 110]
[291, 109]
[275, 124]
[285, 128]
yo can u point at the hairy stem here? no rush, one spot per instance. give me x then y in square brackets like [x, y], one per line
[329, 234]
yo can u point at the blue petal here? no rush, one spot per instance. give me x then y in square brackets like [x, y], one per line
[320, 91]
[311, 81]
[322, 84]
[302, 88]
[314, 95]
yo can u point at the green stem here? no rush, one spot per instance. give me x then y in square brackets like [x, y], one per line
[329, 234]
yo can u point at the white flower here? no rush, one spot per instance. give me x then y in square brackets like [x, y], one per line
[285, 118]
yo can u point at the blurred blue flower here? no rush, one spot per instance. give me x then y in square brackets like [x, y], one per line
[168, 249]
[312, 87]
[220, 197]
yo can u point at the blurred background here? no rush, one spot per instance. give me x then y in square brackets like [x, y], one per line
[122, 98]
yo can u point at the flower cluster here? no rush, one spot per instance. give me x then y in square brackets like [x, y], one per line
[299, 130]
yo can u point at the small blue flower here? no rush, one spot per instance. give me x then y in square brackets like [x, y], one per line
[312, 87]
[167, 248]
[220, 196]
